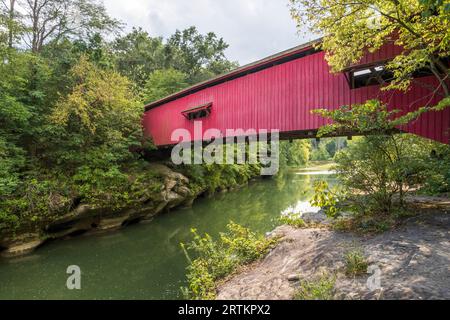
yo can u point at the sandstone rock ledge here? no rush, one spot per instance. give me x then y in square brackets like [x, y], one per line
[85, 219]
[414, 261]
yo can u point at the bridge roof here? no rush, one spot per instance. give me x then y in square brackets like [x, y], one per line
[279, 58]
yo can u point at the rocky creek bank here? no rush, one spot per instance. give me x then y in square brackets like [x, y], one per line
[413, 260]
[177, 191]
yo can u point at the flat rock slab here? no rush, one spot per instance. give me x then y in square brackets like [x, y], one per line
[414, 263]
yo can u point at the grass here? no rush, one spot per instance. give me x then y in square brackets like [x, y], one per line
[293, 221]
[355, 263]
[321, 288]
[366, 225]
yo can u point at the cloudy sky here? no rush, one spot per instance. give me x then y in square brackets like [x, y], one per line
[254, 29]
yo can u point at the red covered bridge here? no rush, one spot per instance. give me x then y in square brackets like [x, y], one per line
[280, 91]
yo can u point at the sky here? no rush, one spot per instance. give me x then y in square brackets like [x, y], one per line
[254, 29]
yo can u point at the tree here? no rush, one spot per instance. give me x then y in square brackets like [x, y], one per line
[320, 152]
[162, 83]
[295, 153]
[299, 152]
[51, 20]
[14, 121]
[199, 56]
[378, 169]
[138, 55]
[350, 29]
[9, 18]
[99, 118]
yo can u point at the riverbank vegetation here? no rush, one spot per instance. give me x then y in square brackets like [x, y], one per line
[379, 169]
[212, 260]
[303, 153]
[71, 99]
[321, 288]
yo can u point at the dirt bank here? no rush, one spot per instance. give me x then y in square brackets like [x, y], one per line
[414, 261]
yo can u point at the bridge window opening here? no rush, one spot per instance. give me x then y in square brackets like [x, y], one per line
[378, 75]
[200, 112]
[369, 76]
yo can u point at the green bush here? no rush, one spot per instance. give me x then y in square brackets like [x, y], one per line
[36, 199]
[326, 199]
[293, 220]
[321, 288]
[380, 168]
[437, 169]
[294, 153]
[213, 177]
[216, 259]
[39, 199]
[355, 263]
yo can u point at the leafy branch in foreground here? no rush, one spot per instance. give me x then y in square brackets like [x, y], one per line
[326, 198]
[351, 29]
[369, 118]
[215, 259]
[378, 169]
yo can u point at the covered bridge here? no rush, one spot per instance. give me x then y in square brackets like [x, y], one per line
[280, 91]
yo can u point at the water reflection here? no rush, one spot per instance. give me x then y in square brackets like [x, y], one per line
[145, 261]
[300, 208]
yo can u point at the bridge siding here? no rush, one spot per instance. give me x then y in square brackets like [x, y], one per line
[282, 97]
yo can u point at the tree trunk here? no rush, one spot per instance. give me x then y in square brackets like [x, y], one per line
[12, 4]
[442, 77]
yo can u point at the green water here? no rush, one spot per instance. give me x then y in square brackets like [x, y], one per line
[145, 261]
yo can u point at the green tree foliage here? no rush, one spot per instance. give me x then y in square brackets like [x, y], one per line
[198, 56]
[438, 170]
[71, 108]
[295, 153]
[325, 149]
[138, 55]
[326, 199]
[383, 168]
[320, 152]
[350, 29]
[216, 177]
[100, 115]
[162, 83]
[14, 120]
[378, 169]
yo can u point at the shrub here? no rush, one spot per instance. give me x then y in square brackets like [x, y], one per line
[213, 177]
[245, 245]
[293, 220]
[379, 170]
[355, 263]
[321, 288]
[326, 199]
[216, 259]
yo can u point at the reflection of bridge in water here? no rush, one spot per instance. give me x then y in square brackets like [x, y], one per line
[279, 92]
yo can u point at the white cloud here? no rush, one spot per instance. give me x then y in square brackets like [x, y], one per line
[254, 29]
